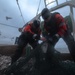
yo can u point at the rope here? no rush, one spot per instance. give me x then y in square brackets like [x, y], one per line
[20, 11]
[38, 7]
[8, 25]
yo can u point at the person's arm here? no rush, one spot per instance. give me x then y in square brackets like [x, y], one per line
[28, 29]
[37, 36]
[62, 25]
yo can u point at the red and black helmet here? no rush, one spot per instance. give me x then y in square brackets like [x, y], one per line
[36, 23]
[45, 13]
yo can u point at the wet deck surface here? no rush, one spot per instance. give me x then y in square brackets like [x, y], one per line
[8, 50]
[6, 60]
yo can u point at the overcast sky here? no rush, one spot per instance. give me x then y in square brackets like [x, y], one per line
[29, 9]
[10, 8]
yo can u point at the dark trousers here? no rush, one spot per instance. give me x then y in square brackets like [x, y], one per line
[22, 42]
[69, 40]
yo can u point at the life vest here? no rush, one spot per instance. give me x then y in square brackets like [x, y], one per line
[52, 26]
[30, 29]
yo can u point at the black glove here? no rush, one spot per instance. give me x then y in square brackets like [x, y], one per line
[35, 36]
[55, 38]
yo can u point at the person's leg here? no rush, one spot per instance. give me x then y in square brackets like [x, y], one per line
[21, 44]
[68, 38]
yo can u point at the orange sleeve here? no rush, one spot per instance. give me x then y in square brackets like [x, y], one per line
[62, 24]
[28, 29]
